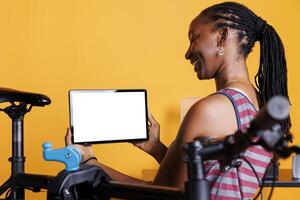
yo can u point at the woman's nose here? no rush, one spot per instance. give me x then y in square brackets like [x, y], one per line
[188, 54]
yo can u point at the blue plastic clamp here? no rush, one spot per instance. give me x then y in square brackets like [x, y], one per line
[69, 155]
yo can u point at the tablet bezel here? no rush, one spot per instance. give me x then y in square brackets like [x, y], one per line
[107, 141]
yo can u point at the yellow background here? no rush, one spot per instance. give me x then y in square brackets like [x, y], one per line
[51, 46]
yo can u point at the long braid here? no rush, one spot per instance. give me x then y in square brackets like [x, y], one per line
[271, 78]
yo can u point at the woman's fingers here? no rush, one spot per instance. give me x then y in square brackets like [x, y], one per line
[138, 144]
[152, 120]
[68, 136]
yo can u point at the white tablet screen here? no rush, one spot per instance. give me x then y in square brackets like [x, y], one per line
[108, 115]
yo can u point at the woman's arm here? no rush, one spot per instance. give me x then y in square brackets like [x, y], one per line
[159, 152]
[153, 146]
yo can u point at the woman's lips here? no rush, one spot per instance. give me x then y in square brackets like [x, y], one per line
[196, 61]
[195, 65]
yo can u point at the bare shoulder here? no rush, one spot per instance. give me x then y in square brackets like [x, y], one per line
[212, 116]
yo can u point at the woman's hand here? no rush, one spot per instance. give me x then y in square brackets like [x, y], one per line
[85, 150]
[153, 146]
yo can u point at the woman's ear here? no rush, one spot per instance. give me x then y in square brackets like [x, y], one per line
[222, 36]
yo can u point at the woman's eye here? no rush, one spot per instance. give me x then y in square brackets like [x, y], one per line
[194, 38]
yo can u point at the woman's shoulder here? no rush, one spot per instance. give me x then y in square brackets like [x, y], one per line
[212, 116]
[211, 104]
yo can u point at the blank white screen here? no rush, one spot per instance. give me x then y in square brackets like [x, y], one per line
[107, 115]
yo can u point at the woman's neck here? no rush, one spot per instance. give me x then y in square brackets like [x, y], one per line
[231, 73]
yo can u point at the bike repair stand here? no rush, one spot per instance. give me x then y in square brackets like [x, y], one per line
[197, 187]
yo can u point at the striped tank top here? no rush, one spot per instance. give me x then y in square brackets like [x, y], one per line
[238, 182]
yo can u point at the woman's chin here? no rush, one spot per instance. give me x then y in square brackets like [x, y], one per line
[202, 77]
[199, 75]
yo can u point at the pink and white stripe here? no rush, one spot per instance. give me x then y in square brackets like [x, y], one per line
[239, 182]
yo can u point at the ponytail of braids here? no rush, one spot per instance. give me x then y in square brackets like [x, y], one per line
[271, 78]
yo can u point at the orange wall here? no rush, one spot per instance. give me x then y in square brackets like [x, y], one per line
[52, 46]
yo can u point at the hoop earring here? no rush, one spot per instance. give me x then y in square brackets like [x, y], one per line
[221, 51]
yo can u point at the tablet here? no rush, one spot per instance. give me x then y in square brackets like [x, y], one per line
[104, 116]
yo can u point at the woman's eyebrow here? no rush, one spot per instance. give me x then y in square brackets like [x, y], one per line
[190, 34]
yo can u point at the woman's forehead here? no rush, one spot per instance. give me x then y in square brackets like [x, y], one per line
[198, 24]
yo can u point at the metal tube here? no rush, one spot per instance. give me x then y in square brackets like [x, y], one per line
[17, 159]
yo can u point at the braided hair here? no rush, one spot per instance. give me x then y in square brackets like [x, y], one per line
[271, 78]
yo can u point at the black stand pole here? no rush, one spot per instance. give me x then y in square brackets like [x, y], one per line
[16, 113]
[197, 187]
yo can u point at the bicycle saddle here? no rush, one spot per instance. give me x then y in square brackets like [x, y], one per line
[11, 95]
